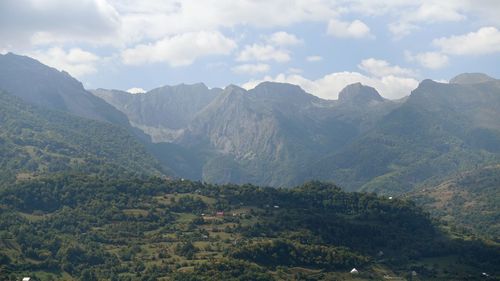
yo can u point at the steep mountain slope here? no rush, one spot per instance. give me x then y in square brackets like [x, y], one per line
[241, 133]
[36, 141]
[468, 199]
[439, 130]
[164, 112]
[269, 135]
[44, 86]
[362, 106]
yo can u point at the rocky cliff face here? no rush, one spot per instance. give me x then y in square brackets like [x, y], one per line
[272, 132]
[277, 134]
[163, 113]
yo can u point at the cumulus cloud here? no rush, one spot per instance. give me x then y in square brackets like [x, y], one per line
[436, 11]
[411, 15]
[135, 91]
[401, 29]
[25, 23]
[156, 19]
[180, 50]
[381, 68]
[283, 38]
[251, 68]
[355, 29]
[407, 16]
[328, 87]
[431, 60]
[76, 62]
[126, 22]
[259, 52]
[314, 58]
[484, 41]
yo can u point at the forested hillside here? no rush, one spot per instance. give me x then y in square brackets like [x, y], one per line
[36, 141]
[468, 200]
[439, 130]
[94, 228]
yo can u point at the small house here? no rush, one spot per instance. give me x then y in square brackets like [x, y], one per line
[220, 214]
[354, 271]
[27, 279]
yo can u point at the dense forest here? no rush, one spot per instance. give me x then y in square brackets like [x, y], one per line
[72, 227]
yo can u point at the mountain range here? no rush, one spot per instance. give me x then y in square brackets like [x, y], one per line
[274, 135]
[279, 135]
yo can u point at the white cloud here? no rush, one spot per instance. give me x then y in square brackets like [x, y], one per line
[76, 62]
[314, 58]
[329, 86]
[180, 50]
[484, 41]
[25, 23]
[407, 16]
[251, 68]
[128, 22]
[282, 38]
[381, 68]
[135, 91]
[437, 11]
[263, 53]
[155, 19]
[402, 29]
[431, 60]
[411, 15]
[356, 29]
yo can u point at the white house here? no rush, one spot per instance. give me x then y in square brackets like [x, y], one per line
[354, 271]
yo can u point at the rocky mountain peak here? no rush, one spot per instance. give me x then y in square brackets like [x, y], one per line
[358, 93]
[471, 78]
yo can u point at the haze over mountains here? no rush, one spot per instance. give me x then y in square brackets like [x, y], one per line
[276, 140]
[275, 134]
[47, 87]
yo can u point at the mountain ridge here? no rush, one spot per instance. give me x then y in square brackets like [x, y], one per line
[471, 78]
[41, 85]
[37, 141]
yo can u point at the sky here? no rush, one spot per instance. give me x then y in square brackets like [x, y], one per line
[321, 45]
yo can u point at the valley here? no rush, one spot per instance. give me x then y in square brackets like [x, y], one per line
[272, 183]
